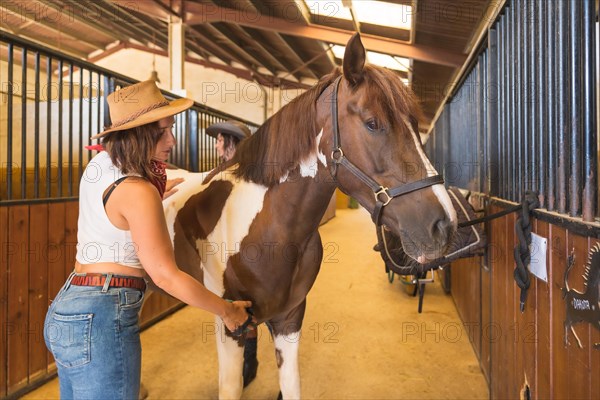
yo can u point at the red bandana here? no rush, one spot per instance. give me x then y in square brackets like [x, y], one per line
[159, 180]
[159, 169]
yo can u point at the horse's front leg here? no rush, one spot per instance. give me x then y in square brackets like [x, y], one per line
[286, 353]
[230, 354]
[286, 335]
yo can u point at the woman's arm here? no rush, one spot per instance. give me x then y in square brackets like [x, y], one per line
[139, 204]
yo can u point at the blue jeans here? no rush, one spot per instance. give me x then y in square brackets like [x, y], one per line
[94, 336]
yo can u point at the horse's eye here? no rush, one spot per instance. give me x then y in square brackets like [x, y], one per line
[373, 125]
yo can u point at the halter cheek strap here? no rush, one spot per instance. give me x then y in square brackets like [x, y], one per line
[382, 194]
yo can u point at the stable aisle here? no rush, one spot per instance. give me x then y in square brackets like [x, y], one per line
[362, 337]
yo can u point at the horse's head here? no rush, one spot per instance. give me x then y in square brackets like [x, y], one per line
[377, 124]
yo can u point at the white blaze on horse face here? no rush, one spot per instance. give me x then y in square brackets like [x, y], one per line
[439, 190]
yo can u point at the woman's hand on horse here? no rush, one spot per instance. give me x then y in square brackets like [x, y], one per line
[236, 315]
[170, 188]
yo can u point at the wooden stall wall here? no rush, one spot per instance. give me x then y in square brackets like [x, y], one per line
[37, 253]
[527, 350]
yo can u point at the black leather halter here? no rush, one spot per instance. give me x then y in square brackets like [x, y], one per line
[383, 195]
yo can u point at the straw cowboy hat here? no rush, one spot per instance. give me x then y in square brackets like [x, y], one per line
[138, 105]
[229, 127]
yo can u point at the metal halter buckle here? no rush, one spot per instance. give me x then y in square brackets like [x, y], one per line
[383, 190]
[341, 155]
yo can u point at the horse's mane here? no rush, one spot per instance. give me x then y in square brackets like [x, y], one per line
[288, 137]
[283, 141]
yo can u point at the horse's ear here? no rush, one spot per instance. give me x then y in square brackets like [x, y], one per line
[354, 60]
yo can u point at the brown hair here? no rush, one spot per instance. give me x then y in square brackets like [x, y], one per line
[132, 150]
[230, 143]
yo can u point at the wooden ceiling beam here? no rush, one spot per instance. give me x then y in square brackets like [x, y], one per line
[89, 22]
[252, 53]
[204, 13]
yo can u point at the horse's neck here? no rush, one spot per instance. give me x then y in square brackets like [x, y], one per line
[301, 201]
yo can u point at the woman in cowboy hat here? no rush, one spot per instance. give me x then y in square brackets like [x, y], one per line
[228, 134]
[91, 326]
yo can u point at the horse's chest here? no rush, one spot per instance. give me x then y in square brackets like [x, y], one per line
[214, 218]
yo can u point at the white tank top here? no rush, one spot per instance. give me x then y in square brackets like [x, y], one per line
[98, 240]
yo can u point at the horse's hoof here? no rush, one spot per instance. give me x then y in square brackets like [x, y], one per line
[249, 372]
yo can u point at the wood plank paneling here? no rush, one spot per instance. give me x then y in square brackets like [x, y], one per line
[4, 249]
[510, 329]
[38, 244]
[530, 347]
[595, 353]
[560, 368]
[525, 333]
[466, 280]
[579, 358]
[543, 383]
[18, 298]
[38, 288]
[56, 251]
[71, 216]
[494, 332]
[56, 257]
[486, 318]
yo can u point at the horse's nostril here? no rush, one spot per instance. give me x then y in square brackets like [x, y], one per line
[442, 230]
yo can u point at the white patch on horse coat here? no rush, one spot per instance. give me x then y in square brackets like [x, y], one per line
[439, 190]
[309, 166]
[241, 207]
[320, 154]
[289, 375]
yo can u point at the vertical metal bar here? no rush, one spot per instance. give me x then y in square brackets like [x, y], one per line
[563, 128]
[49, 127]
[590, 144]
[99, 104]
[70, 141]
[540, 128]
[550, 109]
[24, 123]
[36, 133]
[494, 170]
[532, 132]
[483, 138]
[505, 96]
[193, 135]
[513, 111]
[523, 142]
[576, 107]
[492, 97]
[198, 146]
[9, 122]
[109, 87]
[90, 118]
[80, 135]
[60, 129]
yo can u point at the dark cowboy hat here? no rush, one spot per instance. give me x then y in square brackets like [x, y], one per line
[229, 127]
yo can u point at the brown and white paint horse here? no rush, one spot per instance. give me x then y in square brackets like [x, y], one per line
[248, 229]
